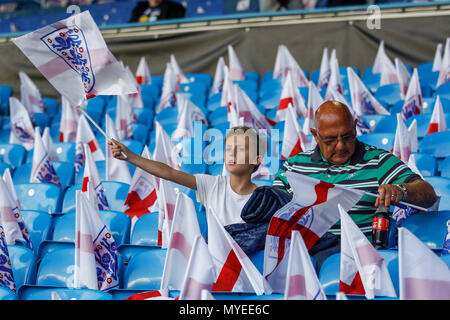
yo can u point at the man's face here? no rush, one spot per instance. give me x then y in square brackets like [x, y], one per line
[154, 3]
[336, 138]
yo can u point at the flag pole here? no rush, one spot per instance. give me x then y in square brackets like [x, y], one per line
[401, 202]
[98, 127]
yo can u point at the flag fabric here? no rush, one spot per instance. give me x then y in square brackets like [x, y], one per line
[95, 249]
[91, 175]
[7, 178]
[381, 55]
[362, 270]
[125, 117]
[402, 142]
[143, 75]
[185, 229]
[324, 73]
[314, 101]
[219, 77]
[49, 146]
[301, 280]
[437, 60]
[85, 135]
[335, 81]
[312, 210]
[169, 89]
[181, 78]
[116, 170]
[206, 295]
[22, 129]
[151, 295]
[403, 77]
[413, 98]
[30, 95]
[285, 62]
[444, 72]
[11, 219]
[388, 72]
[165, 151]
[73, 56]
[225, 99]
[6, 272]
[423, 275]
[188, 113]
[69, 122]
[294, 139]
[446, 244]
[142, 196]
[134, 99]
[235, 271]
[166, 197]
[290, 95]
[200, 273]
[437, 121]
[236, 72]
[42, 169]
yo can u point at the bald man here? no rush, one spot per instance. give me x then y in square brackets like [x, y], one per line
[340, 158]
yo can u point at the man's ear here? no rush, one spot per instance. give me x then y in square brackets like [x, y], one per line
[314, 133]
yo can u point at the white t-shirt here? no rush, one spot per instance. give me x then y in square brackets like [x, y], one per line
[216, 192]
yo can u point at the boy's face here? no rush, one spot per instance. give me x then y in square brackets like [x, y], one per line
[240, 154]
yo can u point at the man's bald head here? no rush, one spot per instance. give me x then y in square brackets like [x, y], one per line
[331, 112]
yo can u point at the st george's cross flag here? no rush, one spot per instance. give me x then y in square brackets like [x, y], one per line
[85, 135]
[402, 142]
[446, 244]
[143, 75]
[313, 210]
[165, 151]
[170, 87]
[236, 71]
[200, 272]
[294, 139]
[6, 272]
[30, 95]
[116, 170]
[413, 138]
[362, 269]
[142, 197]
[437, 60]
[185, 229]
[403, 77]
[181, 78]
[134, 99]
[388, 72]
[91, 175]
[413, 98]
[48, 144]
[324, 71]
[290, 95]
[219, 76]
[42, 169]
[188, 113]
[125, 118]
[444, 71]
[302, 282]
[285, 62]
[226, 98]
[151, 295]
[335, 80]
[437, 121]
[22, 129]
[423, 275]
[69, 122]
[7, 178]
[73, 56]
[11, 218]
[235, 271]
[314, 101]
[380, 56]
[166, 197]
[96, 265]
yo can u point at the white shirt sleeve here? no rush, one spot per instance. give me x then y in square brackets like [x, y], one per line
[204, 184]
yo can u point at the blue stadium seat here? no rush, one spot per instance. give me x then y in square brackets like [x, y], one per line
[144, 270]
[168, 115]
[426, 164]
[144, 116]
[39, 226]
[441, 186]
[218, 115]
[436, 144]
[389, 94]
[12, 154]
[64, 170]
[200, 77]
[150, 90]
[52, 106]
[7, 294]
[57, 268]
[39, 196]
[45, 293]
[23, 264]
[140, 132]
[253, 76]
[3, 167]
[380, 122]
[443, 90]
[5, 93]
[214, 102]
[196, 88]
[249, 86]
[429, 227]
[266, 76]
[445, 168]
[270, 85]
[101, 168]
[257, 258]
[380, 140]
[423, 122]
[145, 230]
[119, 224]
[446, 258]
[372, 81]
[270, 99]
[64, 150]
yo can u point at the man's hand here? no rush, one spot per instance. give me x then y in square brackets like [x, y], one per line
[389, 194]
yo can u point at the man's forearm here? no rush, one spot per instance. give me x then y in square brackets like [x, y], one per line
[421, 193]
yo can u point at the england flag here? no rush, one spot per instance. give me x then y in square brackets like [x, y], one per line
[235, 67]
[285, 62]
[30, 95]
[335, 81]
[22, 129]
[69, 121]
[7, 178]
[116, 170]
[219, 77]
[6, 272]
[413, 98]
[290, 95]
[48, 144]
[167, 198]
[85, 135]
[324, 73]
[143, 75]
[402, 142]
[169, 89]
[188, 113]
[181, 78]
[314, 102]
[437, 121]
[125, 118]
[388, 72]
[381, 55]
[444, 72]
[403, 77]
[165, 151]
[437, 60]
[294, 139]
[74, 58]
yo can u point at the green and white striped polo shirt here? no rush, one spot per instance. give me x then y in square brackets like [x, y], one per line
[367, 169]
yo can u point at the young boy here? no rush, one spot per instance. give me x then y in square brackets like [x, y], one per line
[226, 195]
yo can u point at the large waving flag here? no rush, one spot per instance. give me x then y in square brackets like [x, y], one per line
[437, 122]
[85, 135]
[42, 169]
[6, 272]
[200, 273]
[181, 78]
[236, 71]
[141, 198]
[285, 62]
[324, 73]
[444, 72]
[188, 113]
[403, 77]
[219, 76]
[169, 89]
[95, 249]
[413, 98]
[185, 229]
[22, 130]
[236, 272]
[294, 139]
[91, 175]
[437, 60]
[69, 122]
[30, 95]
[167, 199]
[290, 95]
[73, 56]
[143, 75]
[363, 271]
[402, 142]
[301, 280]
[116, 170]
[312, 211]
[125, 117]
[422, 274]
[314, 101]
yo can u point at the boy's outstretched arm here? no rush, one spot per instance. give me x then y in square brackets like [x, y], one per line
[155, 168]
